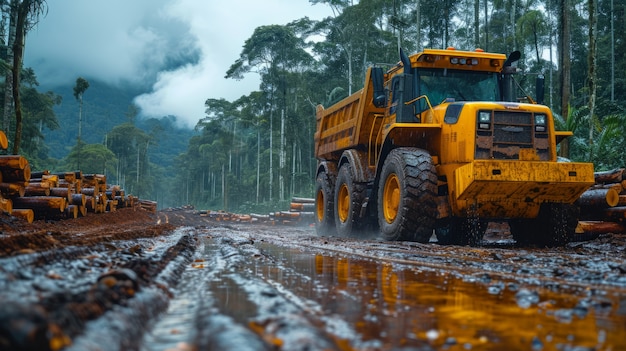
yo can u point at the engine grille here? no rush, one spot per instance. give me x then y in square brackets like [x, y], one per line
[508, 133]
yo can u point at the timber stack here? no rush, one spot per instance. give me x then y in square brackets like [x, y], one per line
[300, 213]
[603, 206]
[31, 195]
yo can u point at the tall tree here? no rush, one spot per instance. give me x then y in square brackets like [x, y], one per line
[591, 61]
[28, 12]
[79, 89]
[564, 63]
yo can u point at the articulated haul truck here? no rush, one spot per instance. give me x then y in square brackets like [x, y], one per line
[440, 144]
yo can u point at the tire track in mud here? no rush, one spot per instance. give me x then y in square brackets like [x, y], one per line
[238, 306]
[95, 297]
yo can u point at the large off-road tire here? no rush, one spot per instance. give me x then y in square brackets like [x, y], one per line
[554, 226]
[406, 196]
[461, 231]
[325, 204]
[349, 197]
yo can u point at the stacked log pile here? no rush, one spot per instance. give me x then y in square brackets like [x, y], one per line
[300, 213]
[63, 195]
[603, 206]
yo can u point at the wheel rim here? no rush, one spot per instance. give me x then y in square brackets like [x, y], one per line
[391, 198]
[343, 203]
[319, 205]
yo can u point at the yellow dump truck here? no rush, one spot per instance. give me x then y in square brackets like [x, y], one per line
[440, 143]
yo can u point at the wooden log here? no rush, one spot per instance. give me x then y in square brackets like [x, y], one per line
[303, 200]
[111, 205]
[615, 186]
[260, 217]
[12, 189]
[78, 200]
[90, 191]
[26, 214]
[121, 202]
[6, 205]
[13, 161]
[71, 211]
[53, 179]
[621, 201]
[600, 227]
[613, 214]
[152, 207]
[10, 175]
[39, 174]
[41, 203]
[37, 189]
[4, 141]
[43, 184]
[62, 192]
[612, 176]
[93, 180]
[598, 198]
[65, 184]
[90, 203]
[70, 176]
[302, 206]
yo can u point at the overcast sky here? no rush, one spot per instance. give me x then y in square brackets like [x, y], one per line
[179, 48]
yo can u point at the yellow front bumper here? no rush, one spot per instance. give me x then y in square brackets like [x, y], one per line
[515, 189]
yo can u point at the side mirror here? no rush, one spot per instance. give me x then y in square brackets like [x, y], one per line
[379, 99]
[512, 59]
[540, 88]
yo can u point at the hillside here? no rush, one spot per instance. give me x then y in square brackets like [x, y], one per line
[105, 107]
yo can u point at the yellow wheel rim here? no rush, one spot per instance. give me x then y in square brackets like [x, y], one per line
[319, 205]
[391, 198]
[343, 203]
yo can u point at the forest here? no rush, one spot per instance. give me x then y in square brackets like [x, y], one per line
[255, 153]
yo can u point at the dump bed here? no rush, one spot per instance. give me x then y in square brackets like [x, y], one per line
[347, 123]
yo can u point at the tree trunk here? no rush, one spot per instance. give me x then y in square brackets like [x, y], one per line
[18, 53]
[486, 7]
[565, 64]
[418, 25]
[591, 76]
[8, 85]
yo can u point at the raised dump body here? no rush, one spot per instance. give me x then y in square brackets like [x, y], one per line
[347, 124]
[440, 143]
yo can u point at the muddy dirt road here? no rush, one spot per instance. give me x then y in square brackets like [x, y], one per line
[176, 281]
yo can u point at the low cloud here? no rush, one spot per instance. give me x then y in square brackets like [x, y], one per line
[179, 50]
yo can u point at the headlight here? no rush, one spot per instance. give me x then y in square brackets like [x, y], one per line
[540, 123]
[484, 117]
[540, 120]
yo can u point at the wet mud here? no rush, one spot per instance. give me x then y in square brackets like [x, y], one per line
[176, 281]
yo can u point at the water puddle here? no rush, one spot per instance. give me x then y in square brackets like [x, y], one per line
[361, 304]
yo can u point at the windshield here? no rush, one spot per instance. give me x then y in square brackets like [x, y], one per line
[440, 84]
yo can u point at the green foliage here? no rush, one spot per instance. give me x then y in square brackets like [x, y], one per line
[90, 158]
[254, 153]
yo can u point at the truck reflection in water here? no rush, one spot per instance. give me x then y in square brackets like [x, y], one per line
[408, 307]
